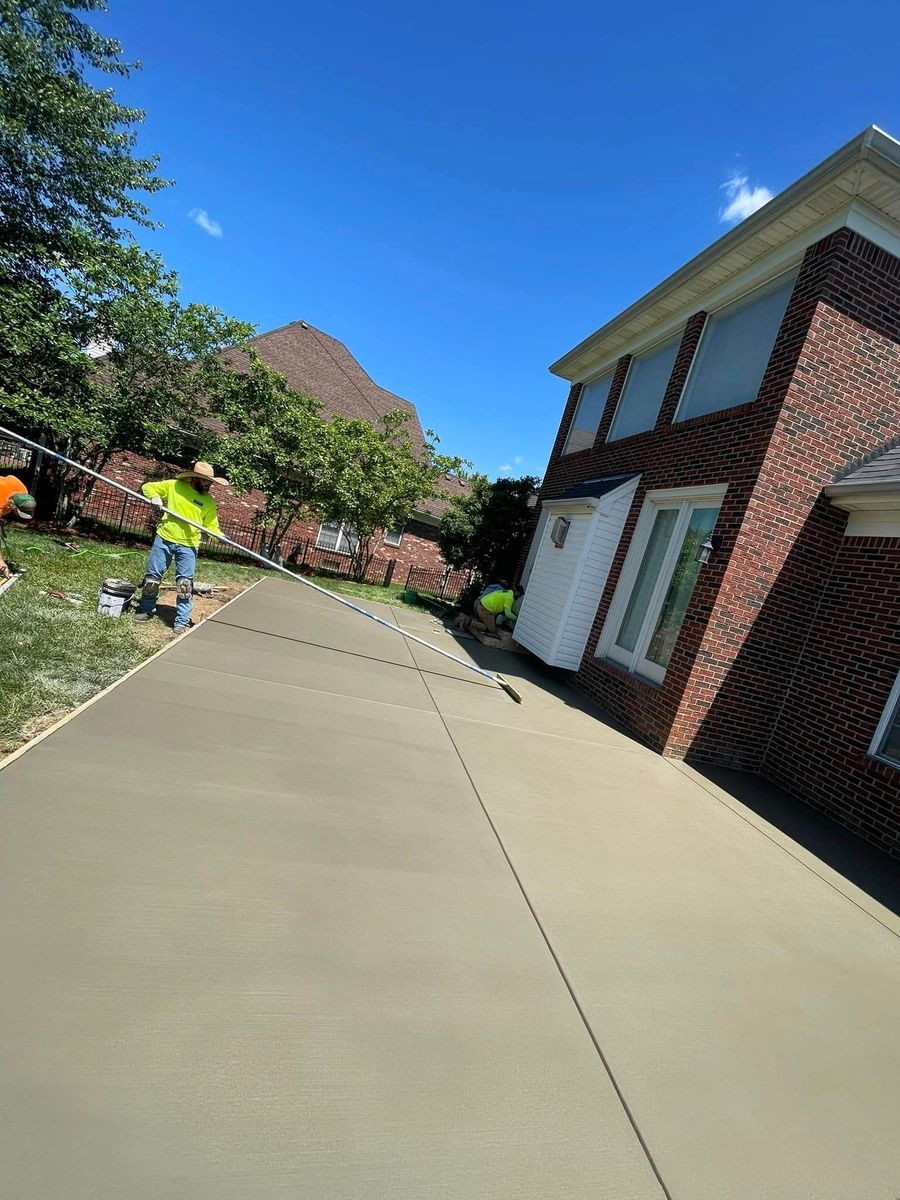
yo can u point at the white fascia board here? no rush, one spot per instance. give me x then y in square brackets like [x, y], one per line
[586, 504]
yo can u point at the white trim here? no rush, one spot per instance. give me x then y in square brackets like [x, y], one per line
[858, 217]
[878, 523]
[684, 500]
[761, 290]
[343, 526]
[399, 536]
[887, 720]
[869, 161]
[576, 576]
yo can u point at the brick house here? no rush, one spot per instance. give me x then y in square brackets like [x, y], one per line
[320, 366]
[717, 553]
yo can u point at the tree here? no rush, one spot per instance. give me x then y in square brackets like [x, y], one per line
[69, 190]
[276, 441]
[150, 393]
[379, 478]
[488, 528]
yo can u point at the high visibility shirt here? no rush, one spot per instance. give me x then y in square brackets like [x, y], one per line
[10, 486]
[180, 497]
[500, 602]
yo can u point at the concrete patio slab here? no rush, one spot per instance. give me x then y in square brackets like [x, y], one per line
[303, 910]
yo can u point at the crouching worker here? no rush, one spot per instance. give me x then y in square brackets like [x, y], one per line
[188, 495]
[14, 502]
[496, 608]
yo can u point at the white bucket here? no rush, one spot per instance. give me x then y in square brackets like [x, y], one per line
[114, 597]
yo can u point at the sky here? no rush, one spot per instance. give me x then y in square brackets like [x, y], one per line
[462, 193]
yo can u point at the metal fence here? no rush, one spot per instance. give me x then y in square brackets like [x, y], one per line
[438, 581]
[14, 458]
[109, 511]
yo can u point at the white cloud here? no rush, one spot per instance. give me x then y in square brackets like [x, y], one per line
[742, 198]
[518, 460]
[202, 218]
[506, 469]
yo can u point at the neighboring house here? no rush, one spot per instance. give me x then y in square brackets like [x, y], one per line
[717, 556]
[319, 365]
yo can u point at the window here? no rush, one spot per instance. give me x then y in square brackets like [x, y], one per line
[658, 580]
[734, 352]
[886, 743]
[336, 536]
[588, 414]
[394, 535]
[644, 389]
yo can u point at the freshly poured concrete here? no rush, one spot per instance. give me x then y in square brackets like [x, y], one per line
[260, 939]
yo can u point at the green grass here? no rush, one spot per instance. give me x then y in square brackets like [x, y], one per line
[55, 656]
[392, 594]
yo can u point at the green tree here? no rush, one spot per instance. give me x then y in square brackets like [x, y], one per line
[70, 186]
[488, 528]
[379, 477]
[149, 393]
[275, 440]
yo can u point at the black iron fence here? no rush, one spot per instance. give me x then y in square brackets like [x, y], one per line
[438, 581]
[109, 511]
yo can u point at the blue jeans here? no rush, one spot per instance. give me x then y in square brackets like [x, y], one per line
[161, 555]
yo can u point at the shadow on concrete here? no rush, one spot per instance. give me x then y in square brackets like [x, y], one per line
[872, 871]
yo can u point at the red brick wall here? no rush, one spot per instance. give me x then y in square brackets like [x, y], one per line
[418, 546]
[846, 668]
[829, 396]
[842, 403]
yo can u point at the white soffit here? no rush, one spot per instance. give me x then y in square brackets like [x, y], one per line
[858, 186]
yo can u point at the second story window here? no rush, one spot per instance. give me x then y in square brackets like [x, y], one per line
[734, 352]
[643, 392]
[588, 414]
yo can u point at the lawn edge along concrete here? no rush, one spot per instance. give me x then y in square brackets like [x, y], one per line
[64, 720]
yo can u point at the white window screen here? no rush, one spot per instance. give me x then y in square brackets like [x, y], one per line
[734, 352]
[394, 535]
[334, 536]
[642, 395]
[588, 415]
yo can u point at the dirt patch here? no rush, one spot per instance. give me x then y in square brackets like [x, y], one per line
[156, 633]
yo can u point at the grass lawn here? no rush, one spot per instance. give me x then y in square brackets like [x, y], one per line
[55, 656]
[392, 594]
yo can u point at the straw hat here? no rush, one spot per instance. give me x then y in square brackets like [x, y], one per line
[200, 470]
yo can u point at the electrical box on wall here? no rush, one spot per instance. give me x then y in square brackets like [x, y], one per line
[559, 531]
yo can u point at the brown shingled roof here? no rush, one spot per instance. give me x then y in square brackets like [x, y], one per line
[317, 364]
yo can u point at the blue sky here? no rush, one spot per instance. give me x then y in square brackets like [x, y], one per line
[461, 193]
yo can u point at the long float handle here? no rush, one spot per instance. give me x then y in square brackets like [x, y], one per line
[496, 679]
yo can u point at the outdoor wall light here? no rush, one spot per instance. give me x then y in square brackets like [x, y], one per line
[712, 543]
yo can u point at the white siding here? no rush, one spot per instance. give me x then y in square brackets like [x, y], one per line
[550, 585]
[565, 585]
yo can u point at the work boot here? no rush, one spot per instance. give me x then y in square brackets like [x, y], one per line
[141, 617]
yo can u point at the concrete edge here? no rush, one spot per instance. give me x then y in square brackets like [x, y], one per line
[69, 716]
[806, 858]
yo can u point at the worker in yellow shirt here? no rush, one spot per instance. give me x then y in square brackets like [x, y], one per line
[493, 608]
[188, 495]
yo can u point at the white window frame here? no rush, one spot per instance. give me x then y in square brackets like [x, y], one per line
[684, 501]
[635, 358]
[395, 532]
[343, 527]
[587, 383]
[770, 285]
[890, 714]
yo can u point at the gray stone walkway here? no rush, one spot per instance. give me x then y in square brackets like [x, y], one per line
[301, 911]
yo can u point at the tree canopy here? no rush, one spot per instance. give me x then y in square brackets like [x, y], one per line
[487, 529]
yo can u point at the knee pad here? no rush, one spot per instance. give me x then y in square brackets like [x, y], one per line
[150, 586]
[185, 587]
